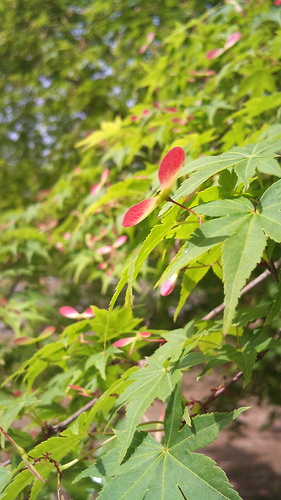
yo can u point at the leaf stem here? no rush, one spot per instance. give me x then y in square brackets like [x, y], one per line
[182, 206]
[73, 462]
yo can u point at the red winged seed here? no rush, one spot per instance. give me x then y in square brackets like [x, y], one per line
[69, 312]
[138, 212]
[212, 54]
[170, 167]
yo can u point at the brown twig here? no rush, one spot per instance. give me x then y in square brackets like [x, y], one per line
[224, 388]
[220, 391]
[7, 462]
[244, 290]
[46, 457]
[61, 426]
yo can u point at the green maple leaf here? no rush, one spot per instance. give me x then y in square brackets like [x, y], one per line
[205, 237]
[156, 381]
[248, 159]
[245, 160]
[241, 229]
[175, 341]
[241, 252]
[151, 382]
[196, 272]
[269, 211]
[245, 358]
[169, 471]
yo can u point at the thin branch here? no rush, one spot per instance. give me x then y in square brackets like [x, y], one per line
[7, 462]
[61, 426]
[244, 290]
[220, 391]
[224, 388]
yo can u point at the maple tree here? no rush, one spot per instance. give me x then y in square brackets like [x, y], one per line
[165, 186]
